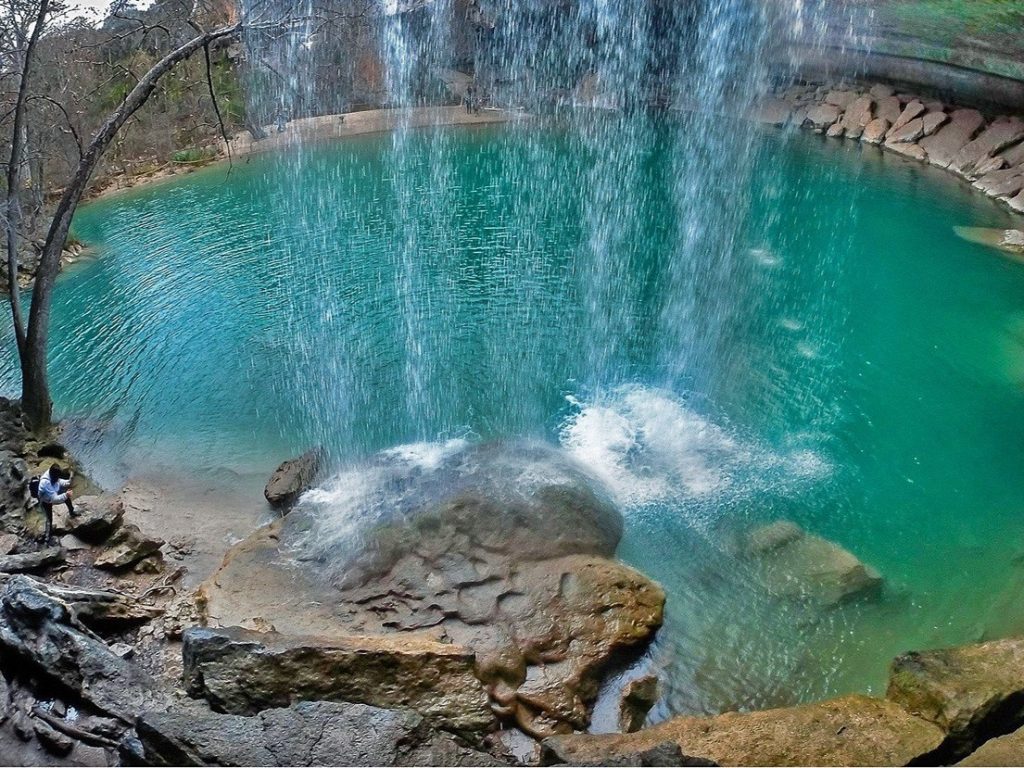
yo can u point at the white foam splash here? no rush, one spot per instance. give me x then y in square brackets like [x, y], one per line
[649, 447]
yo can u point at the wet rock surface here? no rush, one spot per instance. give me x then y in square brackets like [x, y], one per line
[522, 578]
[971, 692]
[852, 730]
[307, 733]
[293, 478]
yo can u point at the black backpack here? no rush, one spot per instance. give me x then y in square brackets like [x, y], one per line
[33, 487]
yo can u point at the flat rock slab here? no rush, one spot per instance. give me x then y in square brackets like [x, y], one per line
[853, 730]
[999, 135]
[31, 561]
[945, 144]
[243, 672]
[307, 733]
[971, 692]
[1002, 751]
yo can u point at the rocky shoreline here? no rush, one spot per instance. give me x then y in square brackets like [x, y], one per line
[987, 151]
[473, 633]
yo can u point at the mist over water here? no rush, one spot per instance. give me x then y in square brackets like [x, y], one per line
[719, 325]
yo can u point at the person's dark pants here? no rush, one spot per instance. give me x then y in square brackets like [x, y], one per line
[48, 512]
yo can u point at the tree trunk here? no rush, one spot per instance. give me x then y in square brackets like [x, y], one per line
[35, 391]
[15, 176]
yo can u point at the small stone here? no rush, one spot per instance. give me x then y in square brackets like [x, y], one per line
[931, 122]
[835, 131]
[772, 112]
[8, 543]
[122, 650]
[889, 109]
[841, 99]
[638, 697]
[908, 133]
[822, 116]
[880, 91]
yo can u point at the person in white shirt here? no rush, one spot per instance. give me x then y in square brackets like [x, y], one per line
[53, 489]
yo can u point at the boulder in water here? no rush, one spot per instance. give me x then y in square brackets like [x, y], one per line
[293, 478]
[795, 563]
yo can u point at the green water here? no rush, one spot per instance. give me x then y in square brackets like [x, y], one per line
[842, 360]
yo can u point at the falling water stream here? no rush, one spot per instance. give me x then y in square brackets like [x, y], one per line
[723, 324]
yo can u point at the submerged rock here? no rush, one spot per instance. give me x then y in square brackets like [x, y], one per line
[852, 730]
[293, 478]
[307, 733]
[503, 550]
[971, 692]
[795, 563]
[243, 672]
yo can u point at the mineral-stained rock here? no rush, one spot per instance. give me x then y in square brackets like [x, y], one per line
[1002, 751]
[822, 116]
[306, 733]
[293, 478]
[797, 564]
[945, 144]
[875, 131]
[511, 560]
[972, 692]
[638, 697]
[852, 730]
[999, 135]
[244, 672]
[911, 112]
[43, 631]
[95, 518]
[31, 561]
[127, 546]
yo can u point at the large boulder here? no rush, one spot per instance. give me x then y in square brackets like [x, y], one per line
[127, 546]
[971, 692]
[307, 733]
[504, 550]
[243, 672]
[794, 563]
[293, 478]
[852, 730]
[42, 630]
[31, 561]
